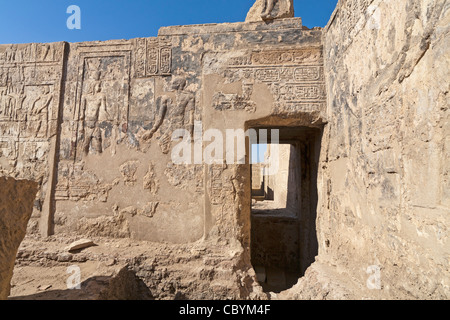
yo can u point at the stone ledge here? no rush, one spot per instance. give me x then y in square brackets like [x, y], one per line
[276, 25]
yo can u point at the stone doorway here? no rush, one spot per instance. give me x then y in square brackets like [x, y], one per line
[284, 203]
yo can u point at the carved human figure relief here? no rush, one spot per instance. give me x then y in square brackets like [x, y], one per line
[14, 102]
[269, 4]
[94, 111]
[184, 110]
[10, 53]
[40, 109]
[162, 105]
[2, 102]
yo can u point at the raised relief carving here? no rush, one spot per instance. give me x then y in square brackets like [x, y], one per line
[3, 77]
[183, 176]
[184, 110]
[128, 171]
[290, 56]
[140, 57]
[180, 113]
[234, 102]
[94, 111]
[294, 76]
[165, 60]
[149, 209]
[101, 115]
[162, 104]
[150, 182]
[11, 102]
[270, 9]
[216, 183]
[292, 92]
[39, 112]
[75, 183]
[31, 53]
[153, 57]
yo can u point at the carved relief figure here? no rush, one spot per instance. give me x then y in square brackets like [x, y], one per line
[94, 111]
[183, 114]
[269, 4]
[3, 76]
[6, 105]
[40, 109]
[162, 104]
[2, 102]
[10, 53]
[13, 103]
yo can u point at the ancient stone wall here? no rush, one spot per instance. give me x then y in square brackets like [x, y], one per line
[384, 187]
[30, 93]
[93, 123]
[113, 107]
[16, 206]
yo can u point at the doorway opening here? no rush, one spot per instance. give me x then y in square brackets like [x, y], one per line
[284, 203]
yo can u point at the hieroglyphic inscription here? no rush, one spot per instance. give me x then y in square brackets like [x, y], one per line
[153, 57]
[295, 77]
[140, 57]
[29, 95]
[216, 183]
[282, 57]
[299, 92]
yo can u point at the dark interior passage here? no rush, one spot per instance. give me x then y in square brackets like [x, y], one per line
[284, 203]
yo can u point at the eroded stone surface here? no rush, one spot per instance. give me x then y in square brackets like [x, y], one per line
[383, 200]
[270, 10]
[16, 205]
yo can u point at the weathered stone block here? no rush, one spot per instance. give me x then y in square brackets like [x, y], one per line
[16, 205]
[270, 10]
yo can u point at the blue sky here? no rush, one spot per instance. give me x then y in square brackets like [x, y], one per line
[23, 21]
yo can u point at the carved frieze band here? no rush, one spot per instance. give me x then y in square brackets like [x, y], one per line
[295, 77]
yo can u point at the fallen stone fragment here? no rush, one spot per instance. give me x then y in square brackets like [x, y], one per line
[80, 244]
[44, 287]
[64, 257]
[110, 262]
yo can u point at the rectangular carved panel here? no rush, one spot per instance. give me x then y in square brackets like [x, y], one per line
[153, 57]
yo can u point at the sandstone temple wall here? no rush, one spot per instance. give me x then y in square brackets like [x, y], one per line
[16, 207]
[385, 199]
[93, 123]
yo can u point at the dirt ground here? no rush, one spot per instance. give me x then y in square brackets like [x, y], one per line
[126, 269]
